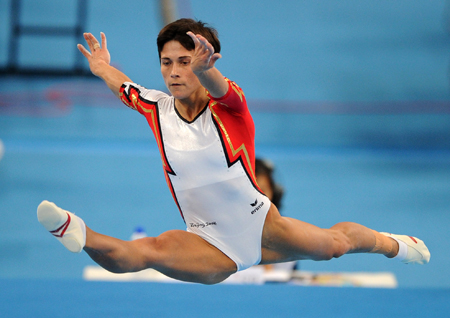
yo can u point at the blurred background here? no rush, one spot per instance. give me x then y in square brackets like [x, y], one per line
[350, 100]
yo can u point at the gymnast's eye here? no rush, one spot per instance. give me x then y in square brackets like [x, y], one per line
[185, 61]
[165, 62]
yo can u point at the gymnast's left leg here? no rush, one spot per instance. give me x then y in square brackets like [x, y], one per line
[287, 239]
[178, 254]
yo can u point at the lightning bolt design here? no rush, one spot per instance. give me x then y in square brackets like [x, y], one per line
[150, 110]
[155, 127]
[239, 153]
[237, 89]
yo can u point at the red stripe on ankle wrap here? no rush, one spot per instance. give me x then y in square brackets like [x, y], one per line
[414, 240]
[62, 228]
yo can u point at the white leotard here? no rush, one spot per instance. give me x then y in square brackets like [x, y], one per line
[209, 165]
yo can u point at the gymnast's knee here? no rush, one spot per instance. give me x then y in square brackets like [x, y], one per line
[334, 251]
[148, 251]
[341, 234]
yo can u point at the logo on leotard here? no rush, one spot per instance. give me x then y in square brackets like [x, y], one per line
[202, 225]
[258, 206]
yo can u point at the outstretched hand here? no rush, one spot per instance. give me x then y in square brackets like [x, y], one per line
[204, 56]
[98, 54]
[99, 59]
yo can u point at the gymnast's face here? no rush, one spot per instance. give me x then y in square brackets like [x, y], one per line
[177, 72]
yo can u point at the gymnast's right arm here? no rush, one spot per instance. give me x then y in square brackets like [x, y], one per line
[99, 59]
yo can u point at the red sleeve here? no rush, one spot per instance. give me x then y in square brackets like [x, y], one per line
[131, 96]
[234, 99]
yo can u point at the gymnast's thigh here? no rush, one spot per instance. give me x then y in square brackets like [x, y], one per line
[188, 257]
[287, 239]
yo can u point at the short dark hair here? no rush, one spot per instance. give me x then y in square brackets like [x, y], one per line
[177, 31]
[265, 167]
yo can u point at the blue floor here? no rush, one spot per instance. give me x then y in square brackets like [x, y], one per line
[73, 298]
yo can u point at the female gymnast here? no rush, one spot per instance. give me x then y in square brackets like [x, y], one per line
[205, 135]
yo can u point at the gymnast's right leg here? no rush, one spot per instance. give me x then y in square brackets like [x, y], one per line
[177, 254]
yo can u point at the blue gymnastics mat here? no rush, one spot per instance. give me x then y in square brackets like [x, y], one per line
[75, 298]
